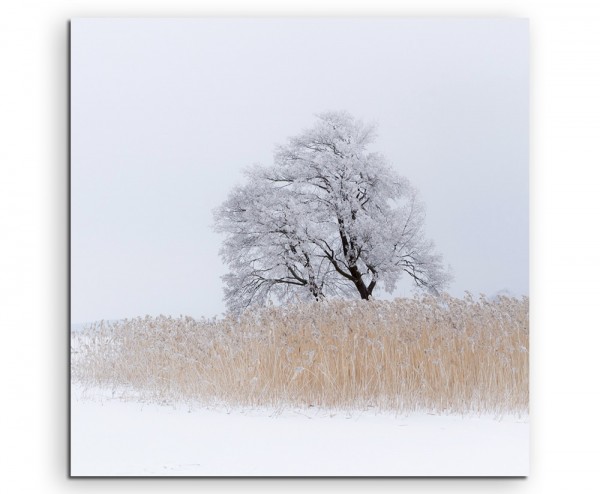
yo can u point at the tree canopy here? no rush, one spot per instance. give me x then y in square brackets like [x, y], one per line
[327, 219]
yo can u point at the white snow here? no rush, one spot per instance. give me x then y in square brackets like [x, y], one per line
[110, 437]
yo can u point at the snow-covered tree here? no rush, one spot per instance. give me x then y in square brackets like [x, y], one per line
[327, 219]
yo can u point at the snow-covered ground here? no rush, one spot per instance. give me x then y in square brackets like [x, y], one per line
[127, 438]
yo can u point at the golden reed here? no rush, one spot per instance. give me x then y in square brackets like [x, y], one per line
[439, 354]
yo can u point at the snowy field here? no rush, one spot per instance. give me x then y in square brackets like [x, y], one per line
[112, 437]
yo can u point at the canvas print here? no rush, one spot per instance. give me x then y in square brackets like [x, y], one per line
[299, 247]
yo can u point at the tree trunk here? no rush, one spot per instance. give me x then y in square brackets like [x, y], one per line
[315, 291]
[359, 283]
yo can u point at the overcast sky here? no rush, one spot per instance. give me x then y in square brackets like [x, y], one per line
[165, 114]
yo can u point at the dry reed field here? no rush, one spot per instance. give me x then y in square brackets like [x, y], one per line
[440, 354]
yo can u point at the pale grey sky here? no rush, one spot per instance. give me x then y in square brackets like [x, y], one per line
[166, 113]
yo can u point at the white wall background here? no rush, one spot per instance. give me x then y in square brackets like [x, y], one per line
[564, 242]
